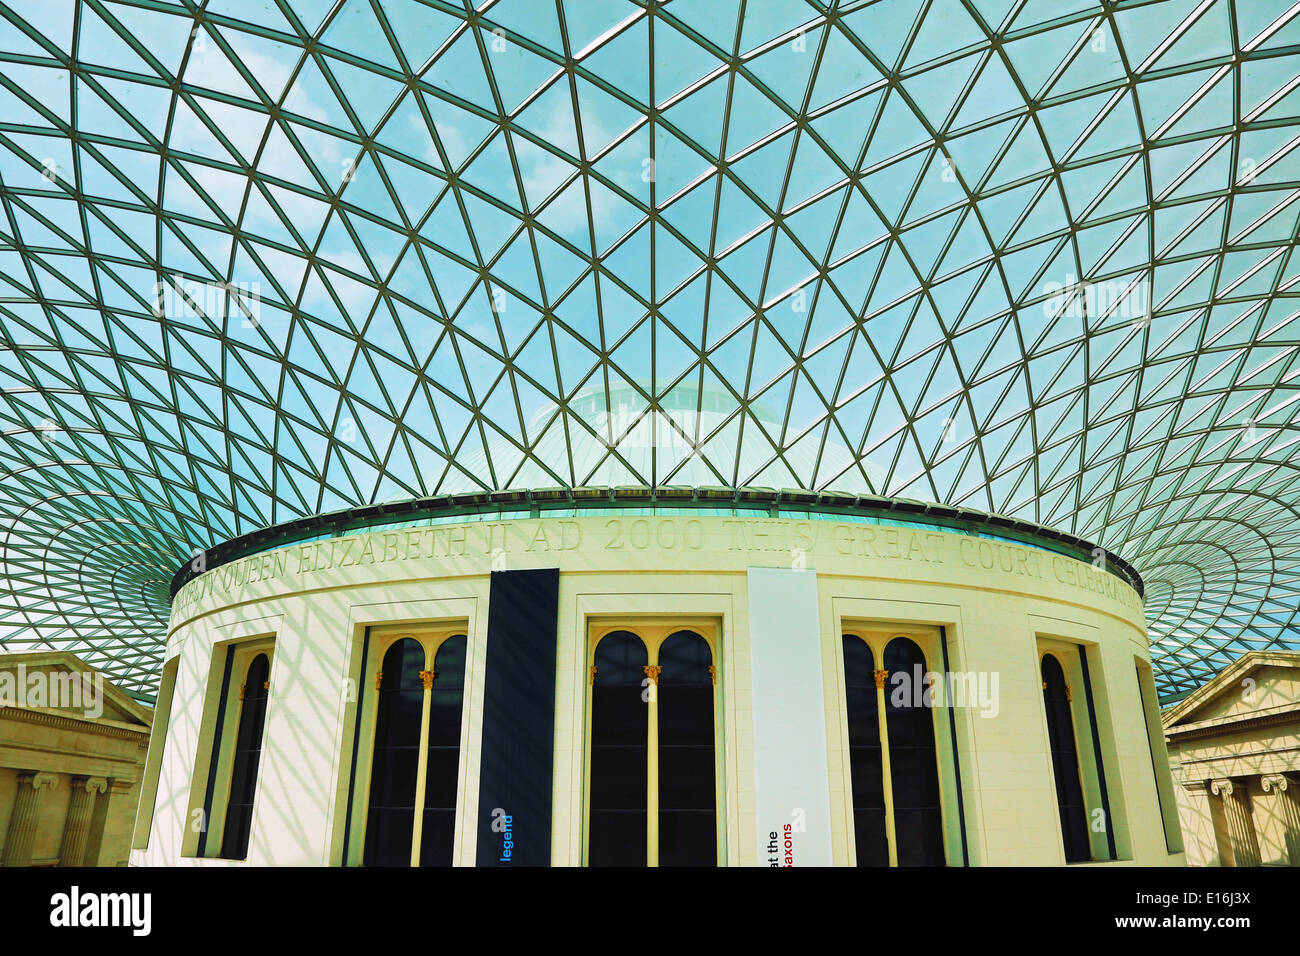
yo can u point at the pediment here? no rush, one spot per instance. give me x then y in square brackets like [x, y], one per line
[1260, 682]
[60, 682]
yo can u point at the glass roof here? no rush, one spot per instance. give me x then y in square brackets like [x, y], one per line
[261, 259]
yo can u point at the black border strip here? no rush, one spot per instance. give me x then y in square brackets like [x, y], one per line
[534, 503]
[956, 760]
[216, 749]
[1096, 751]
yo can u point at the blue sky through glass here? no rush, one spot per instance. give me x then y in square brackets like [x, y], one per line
[260, 260]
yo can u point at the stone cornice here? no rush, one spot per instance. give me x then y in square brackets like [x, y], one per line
[1234, 723]
[83, 725]
[1203, 768]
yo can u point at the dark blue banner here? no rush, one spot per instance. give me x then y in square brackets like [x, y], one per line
[517, 764]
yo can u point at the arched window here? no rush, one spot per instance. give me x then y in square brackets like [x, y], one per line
[864, 753]
[687, 780]
[248, 753]
[396, 756]
[437, 840]
[653, 780]
[893, 758]
[406, 762]
[619, 748]
[1065, 762]
[913, 762]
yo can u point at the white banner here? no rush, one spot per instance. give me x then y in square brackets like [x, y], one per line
[791, 776]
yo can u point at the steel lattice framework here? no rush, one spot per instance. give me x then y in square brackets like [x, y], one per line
[261, 259]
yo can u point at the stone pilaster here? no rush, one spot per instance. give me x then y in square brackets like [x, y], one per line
[1286, 800]
[110, 828]
[76, 828]
[25, 816]
[1241, 829]
[1196, 817]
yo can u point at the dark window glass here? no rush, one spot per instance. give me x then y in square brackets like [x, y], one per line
[687, 782]
[1065, 763]
[437, 836]
[619, 739]
[913, 766]
[248, 754]
[864, 753]
[391, 820]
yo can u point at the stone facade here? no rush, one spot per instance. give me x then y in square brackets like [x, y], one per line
[72, 751]
[1001, 607]
[1234, 749]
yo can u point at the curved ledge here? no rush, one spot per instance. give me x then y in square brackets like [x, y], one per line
[535, 503]
[538, 502]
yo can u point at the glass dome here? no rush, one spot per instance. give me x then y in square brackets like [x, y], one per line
[264, 260]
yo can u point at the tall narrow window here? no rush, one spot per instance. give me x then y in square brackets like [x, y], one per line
[414, 763]
[653, 774]
[687, 784]
[396, 756]
[235, 714]
[1159, 757]
[893, 758]
[619, 752]
[653, 761]
[1065, 762]
[914, 768]
[870, 837]
[153, 762]
[442, 774]
[248, 753]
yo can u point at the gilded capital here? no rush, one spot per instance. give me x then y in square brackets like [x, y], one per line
[881, 677]
[713, 674]
[428, 677]
[593, 673]
[379, 679]
[653, 671]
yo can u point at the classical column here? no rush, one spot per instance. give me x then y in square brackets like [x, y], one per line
[886, 771]
[76, 827]
[427, 677]
[25, 816]
[1241, 829]
[1287, 801]
[652, 674]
